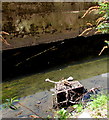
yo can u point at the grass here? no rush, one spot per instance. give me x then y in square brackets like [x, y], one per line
[98, 108]
[62, 114]
[99, 101]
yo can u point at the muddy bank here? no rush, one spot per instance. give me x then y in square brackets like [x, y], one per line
[41, 102]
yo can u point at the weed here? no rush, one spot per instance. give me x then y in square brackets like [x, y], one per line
[101, 24]
[99, 101]
[78, 107]
[96, 108]
[62, 114]
[10, 103]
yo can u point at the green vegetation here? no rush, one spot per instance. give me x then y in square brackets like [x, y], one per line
[97, 108]
[18, 87]
[78, 107]
[98, 102]
[62, 114]
[10, 103]
[103, 22]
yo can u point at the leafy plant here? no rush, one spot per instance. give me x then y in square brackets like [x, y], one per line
[99, 101]
[97, 108]
[102, 23]
[10, 103]
[78, 107]
[62, 114]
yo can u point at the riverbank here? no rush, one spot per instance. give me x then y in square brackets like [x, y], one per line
[31, 84]
[27, 60]
[41, 102]
[35, 93]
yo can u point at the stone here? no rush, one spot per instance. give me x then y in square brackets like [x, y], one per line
[70, 78]
[84, 115]
[38, 102]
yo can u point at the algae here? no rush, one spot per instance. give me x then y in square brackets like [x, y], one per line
[31, 84]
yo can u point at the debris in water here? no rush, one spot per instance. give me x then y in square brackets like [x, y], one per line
[68, 92]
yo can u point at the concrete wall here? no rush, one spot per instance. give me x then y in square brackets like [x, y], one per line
[26, 20]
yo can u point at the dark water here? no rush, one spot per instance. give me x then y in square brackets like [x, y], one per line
[27, 60]
[25, 71]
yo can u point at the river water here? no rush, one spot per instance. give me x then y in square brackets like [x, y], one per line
[35, 93]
